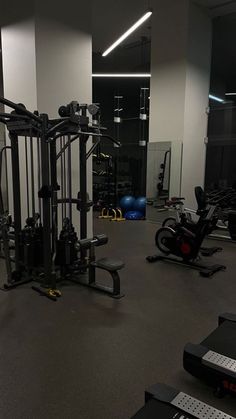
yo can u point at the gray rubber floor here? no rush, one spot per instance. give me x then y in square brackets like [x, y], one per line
[88, 356]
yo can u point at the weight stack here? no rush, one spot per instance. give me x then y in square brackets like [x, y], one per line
[232, 224]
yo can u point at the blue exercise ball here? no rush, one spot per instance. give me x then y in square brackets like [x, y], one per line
[127, 203]
[134, 215]
[140, 204]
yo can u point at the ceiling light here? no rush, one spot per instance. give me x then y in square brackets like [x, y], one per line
[127, 33]
[216, 98]
[140, 75]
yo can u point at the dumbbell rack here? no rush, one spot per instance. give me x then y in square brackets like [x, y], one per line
[43, 207]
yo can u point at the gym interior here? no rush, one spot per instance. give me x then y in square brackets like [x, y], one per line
[118, 209]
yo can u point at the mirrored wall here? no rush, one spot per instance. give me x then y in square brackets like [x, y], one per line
[221, 148]
[164, 169]
[120, 171]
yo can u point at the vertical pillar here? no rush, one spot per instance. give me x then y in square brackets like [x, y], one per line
[64, 71]
[181, 56]
[19, 81]
[47, 62]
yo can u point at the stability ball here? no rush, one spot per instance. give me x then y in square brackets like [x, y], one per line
[134, 215]
[127, 203]
[140, 204]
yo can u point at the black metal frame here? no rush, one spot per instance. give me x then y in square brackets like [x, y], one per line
[72, 125]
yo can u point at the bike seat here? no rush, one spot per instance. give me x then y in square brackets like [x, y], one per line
[175, 202]
[177, 198]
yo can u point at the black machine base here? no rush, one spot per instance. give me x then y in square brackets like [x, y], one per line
[204, 270]
[214, 359]
[15, 284]
[210, 251]
[97, 287]
[164, 402]
[112, 266]
[88, 279]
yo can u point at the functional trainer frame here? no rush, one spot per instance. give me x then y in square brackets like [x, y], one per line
[40, 252]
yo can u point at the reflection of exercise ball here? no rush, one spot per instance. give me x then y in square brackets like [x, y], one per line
[134, 215]
[127, 203]
[140, 204]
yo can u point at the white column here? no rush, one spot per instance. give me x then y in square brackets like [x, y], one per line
[180, 67]
[47, 62]
[64, 69]
[19, 85]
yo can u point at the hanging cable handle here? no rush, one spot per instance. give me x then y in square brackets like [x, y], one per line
[56, 128]
[94, 146]
[92, 134]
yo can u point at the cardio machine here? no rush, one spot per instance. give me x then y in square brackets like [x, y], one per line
[214, 359]
[183, 237]
[164, 402]
[183, 217]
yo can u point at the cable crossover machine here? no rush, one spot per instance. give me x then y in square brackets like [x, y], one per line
[43, 183]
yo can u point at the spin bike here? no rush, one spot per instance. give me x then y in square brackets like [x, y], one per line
[183, 217]
[183, 238]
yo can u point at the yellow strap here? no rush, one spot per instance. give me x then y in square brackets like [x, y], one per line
[54, 292]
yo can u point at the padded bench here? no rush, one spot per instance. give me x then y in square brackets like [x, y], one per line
[112, 266]
[108, 264]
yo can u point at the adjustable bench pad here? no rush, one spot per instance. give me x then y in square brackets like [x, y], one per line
[108, 264]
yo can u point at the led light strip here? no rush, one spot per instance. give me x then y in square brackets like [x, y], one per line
[216, 98]
[140, 75]
[127, 33]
